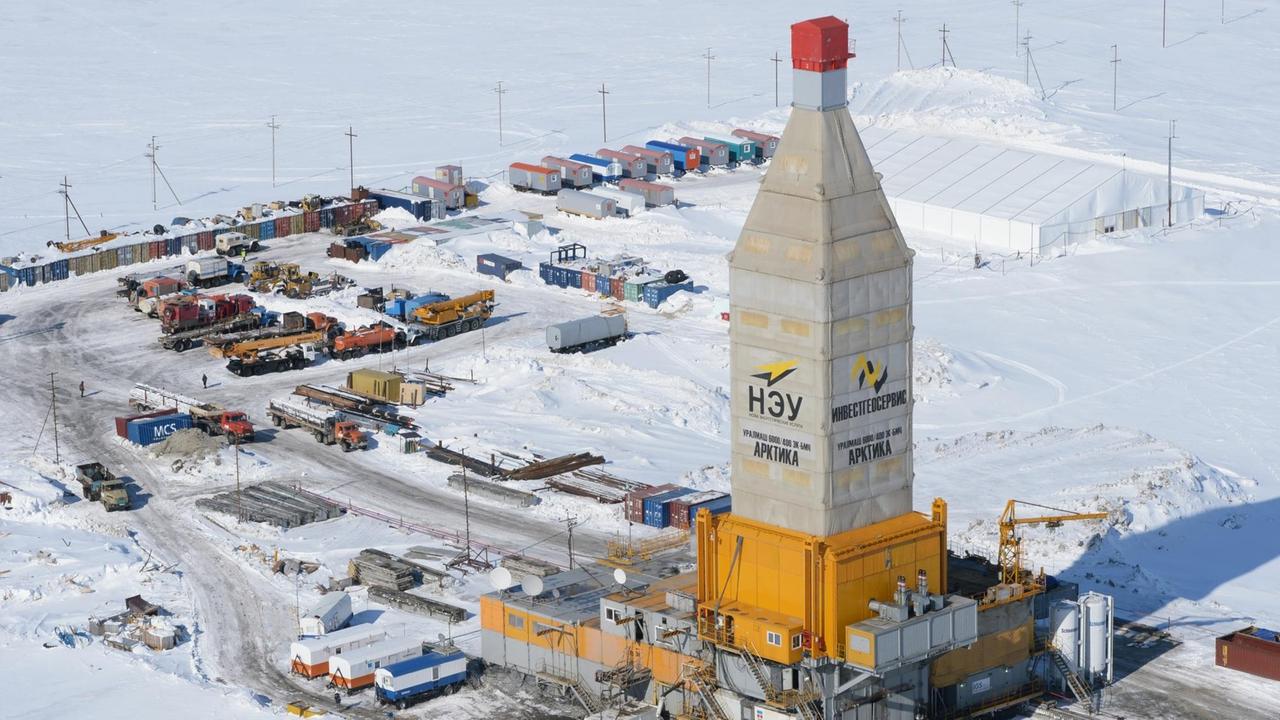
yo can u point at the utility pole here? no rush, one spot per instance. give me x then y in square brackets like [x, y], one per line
[466, 511]
[898, 21]
[351, 155]
[946, 49]
[776, 61]
[239, 506]
[1017, 25]
[499, 92]
[1164, 23]
[274, 127]
[604, 113]
[1115, 76]
[571, 522]
[1173, 135]
[1026, 47]
[67, 202]
[1222, 17]
[709, 57]
[151, 153]
[53, 399]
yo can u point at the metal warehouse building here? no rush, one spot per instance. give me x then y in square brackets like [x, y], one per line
[1005, 199]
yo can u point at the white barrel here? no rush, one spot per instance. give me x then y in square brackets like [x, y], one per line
[1096, 648]
[1065, 624]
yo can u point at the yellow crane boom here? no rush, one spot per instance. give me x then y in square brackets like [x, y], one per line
[246, 349]
[77, 245]
[1011, 545]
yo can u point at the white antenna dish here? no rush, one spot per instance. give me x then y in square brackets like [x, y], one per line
[500, 578]
[620, 576]
[532, 585]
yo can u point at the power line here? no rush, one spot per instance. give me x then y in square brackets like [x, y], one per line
[709, 57]
[776, 63]
[1115, 76]
[67, 202]
[351, 155]
[274, 127]
[155, 168]
[946, 47]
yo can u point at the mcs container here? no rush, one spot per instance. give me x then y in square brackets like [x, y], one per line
[148, 431]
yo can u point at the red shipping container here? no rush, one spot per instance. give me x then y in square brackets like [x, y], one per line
[1252, 650]
[159, 248]
[634, 503]
[617, 288]
[679, 507]
[357, 211]
[122, 422]
[205, 240]
[311, 220]
[589, 281]
[283, 226]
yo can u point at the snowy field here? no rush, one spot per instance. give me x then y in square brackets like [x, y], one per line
[1135, 375]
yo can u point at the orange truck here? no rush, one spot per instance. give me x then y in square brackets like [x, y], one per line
[374, 338]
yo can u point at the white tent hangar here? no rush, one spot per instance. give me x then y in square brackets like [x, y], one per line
[1005, 199]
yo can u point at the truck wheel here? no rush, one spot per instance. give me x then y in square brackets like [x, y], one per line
[253, 246]
[319, 436]
[449, 330]
[400, 704]
[346, 446]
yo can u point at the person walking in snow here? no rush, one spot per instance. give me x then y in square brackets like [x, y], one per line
[81, 388]
[204, 380]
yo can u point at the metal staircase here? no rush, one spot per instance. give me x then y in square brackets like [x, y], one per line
[1077, 686]
[575, 687]
[755, 666]
[800, 700]
[701, 680]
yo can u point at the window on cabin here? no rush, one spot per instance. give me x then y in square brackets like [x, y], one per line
[515, 621]
[773, 638]
[797, 641]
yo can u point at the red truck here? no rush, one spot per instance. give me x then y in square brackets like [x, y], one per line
[187, 312]
[146, 297]
[374, 338]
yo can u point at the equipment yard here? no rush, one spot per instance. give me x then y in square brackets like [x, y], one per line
[498, 439]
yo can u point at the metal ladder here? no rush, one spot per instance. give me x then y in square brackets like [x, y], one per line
[755, 666]
[1077, 686]
[585, 697]
[702, 680]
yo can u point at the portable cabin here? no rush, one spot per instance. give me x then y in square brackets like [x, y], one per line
[534, 178]
[422, 208]
[496, 265]
[453, 196]
[576, 202]
[686, 158]
[766, 144]
[418, 677]
[633, 166]
[628, 204]
[714, 154]
[655, 194]
[573, 174]
[658, 162]
[451, 174]
[602, 169]
[310, 657]
[355, 669]
[740, 149]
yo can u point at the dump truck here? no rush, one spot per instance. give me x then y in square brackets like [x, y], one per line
[188, 312]
[207, 272]
[234, 243]
[146, 297]
[361, 341]
[255, 319]
[98, 484]
[211, 418]
[329, 427]
[450, 317]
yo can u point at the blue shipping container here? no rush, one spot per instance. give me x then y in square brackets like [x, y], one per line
[657, 511]
[377, 249]
[497, 265]
[714, 506]
[419, 207]
[147, 431]
[267, 230]
[544, 272]
[59, 270]
[326, 217]
[656, 293]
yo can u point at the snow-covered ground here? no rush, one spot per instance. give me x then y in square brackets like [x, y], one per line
[1134, 375]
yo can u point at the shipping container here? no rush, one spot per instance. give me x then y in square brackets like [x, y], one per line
[173, 246]
[657, 507]
[544, 272]
[148, 431]
[416, 678]
[586, 334]
[59, 270]
[297, 224]
[326, 217]
[765, 144]
[204, 240]
[122, 423]
[107, 260]
[496, 265]
[253, 230]
[714, 154]
[375, 384]
[419, 206]
[633, 166]
[573, 174]
[310, 658]
[576, 202]
[617, 288]
[284, 226]
[629, 204]
[311, 221]
[1253, 650]
[602, 169]
[159, 249]
[453, 196]
[659, 162]
[655, 194]
[684, 158]
[534, 178]
[633, 287]
[376, 249]
[354, 669]
[683, 511]
[266, 229]
[588, 281]
[656, 293]
[4, 282]
[633, 506]
[740, 149]
[602, 284]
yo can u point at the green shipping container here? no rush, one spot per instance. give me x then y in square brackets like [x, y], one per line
[252, 230]
[297, 225]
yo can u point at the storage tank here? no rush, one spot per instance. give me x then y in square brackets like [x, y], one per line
[1065, 625]
[1096, 655]
[578, 334]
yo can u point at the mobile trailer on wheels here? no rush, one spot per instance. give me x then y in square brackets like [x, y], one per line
[416, 679]
[354, 670]
[534, 178]
[310, 658]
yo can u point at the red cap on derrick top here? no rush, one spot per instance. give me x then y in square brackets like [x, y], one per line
[820, 44]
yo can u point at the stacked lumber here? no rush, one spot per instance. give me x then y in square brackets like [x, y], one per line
[379, 569]
[595, 484]
[540, 469]
[273, 503]
[418, 604]
[522, 565]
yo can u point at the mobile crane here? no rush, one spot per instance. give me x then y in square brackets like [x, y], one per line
[450, 317]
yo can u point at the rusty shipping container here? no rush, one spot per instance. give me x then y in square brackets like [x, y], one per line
[311, 221]
[1253, 650]
[633, 506]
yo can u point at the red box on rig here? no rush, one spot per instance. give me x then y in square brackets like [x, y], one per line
[820, 44]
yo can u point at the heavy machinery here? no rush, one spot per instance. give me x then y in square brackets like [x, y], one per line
[255, 319]
[312, 202]
[246, 349]
[188, 312]
[211, 418]
[359, 227]
[97, 483]
[206, 272]
[268, 362]
[361, 341]
[276, 353]
[263, 275]
[1010, 558]
[329, 427]
[145, 298]
[296, 284]
[450, 317]
[77, 245]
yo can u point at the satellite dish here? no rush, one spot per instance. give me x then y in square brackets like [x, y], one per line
[555, 593]
[620, 576]
[532, 585]
[500, 578]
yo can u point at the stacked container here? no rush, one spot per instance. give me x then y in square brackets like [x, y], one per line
[683, 512]
[657, 508]
[633, 506]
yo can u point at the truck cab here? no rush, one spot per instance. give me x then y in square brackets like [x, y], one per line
[349, 436]
[233, 243]
[146, 297]
[114, 495]
[235, 425]
[97, 483]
